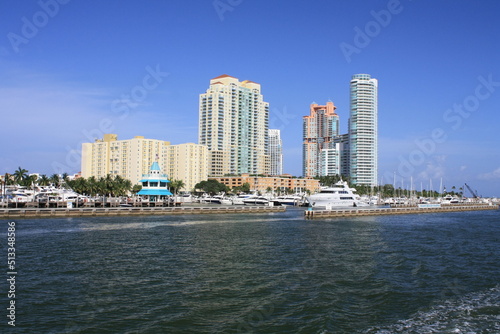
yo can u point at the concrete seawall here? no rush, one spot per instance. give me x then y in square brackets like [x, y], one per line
[395, 211]
[131, 211]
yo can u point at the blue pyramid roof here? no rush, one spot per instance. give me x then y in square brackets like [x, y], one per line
[155, 166]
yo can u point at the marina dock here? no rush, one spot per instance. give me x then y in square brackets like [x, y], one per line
[131, 211]
[396, 210]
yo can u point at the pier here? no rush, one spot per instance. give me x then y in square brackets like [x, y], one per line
[397, 210]
[131, 211]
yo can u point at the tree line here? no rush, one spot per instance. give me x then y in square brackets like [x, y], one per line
[109, 185]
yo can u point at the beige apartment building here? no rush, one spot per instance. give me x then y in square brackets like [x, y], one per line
[262, 183]
[132, 158]
[189, 163]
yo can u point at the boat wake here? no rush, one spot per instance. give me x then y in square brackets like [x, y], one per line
[473, 313]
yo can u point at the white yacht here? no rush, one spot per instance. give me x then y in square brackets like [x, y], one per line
[338, 195]
[256, 200]
[290, 200]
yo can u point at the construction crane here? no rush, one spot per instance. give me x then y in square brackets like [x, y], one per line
[474, 194]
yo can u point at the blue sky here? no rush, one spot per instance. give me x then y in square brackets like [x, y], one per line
[72, 70]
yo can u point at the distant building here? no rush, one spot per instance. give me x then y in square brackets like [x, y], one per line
[275, 183]
[189, 163]
[132, 158]
[343, 147]
[275, 152]
[129, 158]
[233, 124]
[320, 128]
[363, 130]
[330, 160]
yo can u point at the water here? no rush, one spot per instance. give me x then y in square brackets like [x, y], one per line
[258, 273]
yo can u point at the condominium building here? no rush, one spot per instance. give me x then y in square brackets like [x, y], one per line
[363, 130]
[233, 124]
[343, 147]
[275, 152]
[132, 158]
[320, 127]
[189, 163]
[128, 158]
[330, 160]
[273, 183]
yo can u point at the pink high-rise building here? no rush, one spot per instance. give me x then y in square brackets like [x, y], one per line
[319, 130]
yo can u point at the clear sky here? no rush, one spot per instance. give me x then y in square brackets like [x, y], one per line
[73, 70]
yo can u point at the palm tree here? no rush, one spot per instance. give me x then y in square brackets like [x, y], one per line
[20, 176]
[8, 180]
[43, 180]
[55, 179]
[136, 188]
[175, 185]
[31, 180]
[92, 186]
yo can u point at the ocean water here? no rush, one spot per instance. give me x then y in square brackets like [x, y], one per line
[257, 273]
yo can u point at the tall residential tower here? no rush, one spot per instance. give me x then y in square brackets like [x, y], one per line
[275, 152]
[363, 130]
[319, 150]
[233, 124]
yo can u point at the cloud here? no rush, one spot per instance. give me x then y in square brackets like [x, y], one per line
[491, 175]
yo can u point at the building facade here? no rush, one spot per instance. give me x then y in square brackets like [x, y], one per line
[233, 124]
[275, 183]
[189, 163]
[343, 146]
[363, 130]
[330, 161]
[132, 159]
[320, 128]
[275, 152]
[128, 158]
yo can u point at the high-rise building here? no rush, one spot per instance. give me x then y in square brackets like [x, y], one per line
[319, 130]
[233, 124]
[275, 152]
[363, 130]
[330, 160]
[343, 147]
[133, 158]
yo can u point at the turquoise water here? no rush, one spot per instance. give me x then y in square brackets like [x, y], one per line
[258, 273]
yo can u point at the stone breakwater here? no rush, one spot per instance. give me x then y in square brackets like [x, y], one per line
[395, 211]
[131, 211]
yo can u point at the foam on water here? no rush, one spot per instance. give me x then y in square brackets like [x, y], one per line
[473, 313]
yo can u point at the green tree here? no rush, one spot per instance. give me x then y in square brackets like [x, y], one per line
[245, 187]
[176, 185]
[136, 188]
[43, 180]
[55, 179]
[20, 176]
[212, 187]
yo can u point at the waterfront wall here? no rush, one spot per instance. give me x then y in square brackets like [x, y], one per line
[396, 211]
[131, 211]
